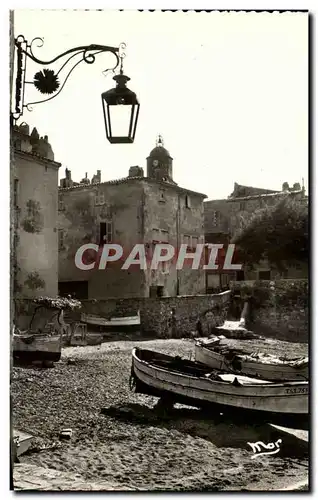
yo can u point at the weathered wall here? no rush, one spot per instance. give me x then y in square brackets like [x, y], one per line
[166, 216]
[279, 309]
[224, 217]
[141, 211]
[36, 212]
[80, 218]
[160, 317]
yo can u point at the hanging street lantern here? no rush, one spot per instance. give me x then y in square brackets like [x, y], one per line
[120, 105]
[121, 110]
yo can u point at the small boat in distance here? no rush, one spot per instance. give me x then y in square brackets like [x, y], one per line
[217, 355]
[188, 382]
[112, 322]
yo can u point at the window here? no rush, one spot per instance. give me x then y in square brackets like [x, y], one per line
[76, 289]
[105, 232]
[160, 235]
[194, 242]
[190, 241]
[216, 218]
[99, 198]
[33, 208]
[156, 234]
[162, 198]
[15, 192]
[17, 145]
[187, 240]
[187, 202]
[240, 275]
[295, 265]
[61, 239]
[61, 205]
[156, 291]
[242, 205]
[164, 236]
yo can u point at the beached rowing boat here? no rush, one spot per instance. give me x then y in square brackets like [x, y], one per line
[217, 355]
[191, 383]
[37, 347]
[42, 340]
[112, 322]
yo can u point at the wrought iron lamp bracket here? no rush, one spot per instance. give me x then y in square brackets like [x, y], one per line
[47, 81]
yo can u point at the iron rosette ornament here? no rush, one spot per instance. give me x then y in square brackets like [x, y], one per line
[46, 81]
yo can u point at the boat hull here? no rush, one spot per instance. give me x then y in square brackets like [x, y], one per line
[266, 371]
[37, 347]
[130, 321]
[290, 399]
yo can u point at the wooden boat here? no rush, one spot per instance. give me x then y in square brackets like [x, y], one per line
[30, 346]
[218, 356]
[112, 322]
[192, 383]
[21, 441]
[42, 341]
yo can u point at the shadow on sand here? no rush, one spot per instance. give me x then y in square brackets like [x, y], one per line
[224, 431]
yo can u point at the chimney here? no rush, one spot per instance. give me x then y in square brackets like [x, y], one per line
[24, 128]
[99, 175]
[136, 172]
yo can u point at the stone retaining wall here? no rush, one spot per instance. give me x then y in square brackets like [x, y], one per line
[279, 308]
[164, 317]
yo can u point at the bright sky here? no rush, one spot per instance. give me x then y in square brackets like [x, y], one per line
[227, 91]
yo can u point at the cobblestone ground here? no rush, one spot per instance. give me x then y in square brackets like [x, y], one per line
[127, 446]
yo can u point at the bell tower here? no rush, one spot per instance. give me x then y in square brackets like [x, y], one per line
[159, 163]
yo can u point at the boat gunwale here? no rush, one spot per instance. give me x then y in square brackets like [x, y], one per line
[256, 362]
[220, 393]
[223, 382]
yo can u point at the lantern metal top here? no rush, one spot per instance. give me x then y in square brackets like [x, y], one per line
[120, 94]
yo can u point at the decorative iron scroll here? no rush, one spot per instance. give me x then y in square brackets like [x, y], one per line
[47, 81]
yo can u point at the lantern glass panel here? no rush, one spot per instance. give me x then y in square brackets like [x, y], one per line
[119, 120]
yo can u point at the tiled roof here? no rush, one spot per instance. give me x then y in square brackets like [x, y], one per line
[125, 180]
[266, 195]
[112, 182]
[36, 155]
[260, 190]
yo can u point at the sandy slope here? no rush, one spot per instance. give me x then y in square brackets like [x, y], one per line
[132, 446]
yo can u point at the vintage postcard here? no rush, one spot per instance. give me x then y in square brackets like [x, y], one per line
[159, 196]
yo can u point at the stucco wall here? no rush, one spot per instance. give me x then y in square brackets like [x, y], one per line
[142, 211]
[37, 242]
[165, 209]
[80, 221]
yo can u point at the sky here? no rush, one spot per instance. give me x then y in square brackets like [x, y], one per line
[228, 92]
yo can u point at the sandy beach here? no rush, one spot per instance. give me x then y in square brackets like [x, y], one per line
[118, 439]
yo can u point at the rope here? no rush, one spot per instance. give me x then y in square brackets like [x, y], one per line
[132, 380]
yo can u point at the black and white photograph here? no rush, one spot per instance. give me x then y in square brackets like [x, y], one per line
[159, 250]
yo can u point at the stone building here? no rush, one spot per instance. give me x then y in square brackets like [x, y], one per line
[34, 200]
[137, 209]
[222, 218]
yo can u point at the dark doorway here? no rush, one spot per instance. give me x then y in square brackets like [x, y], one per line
[102, 233]
[240, 276]
[76, 289]
[264, 275]
[156, 291]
